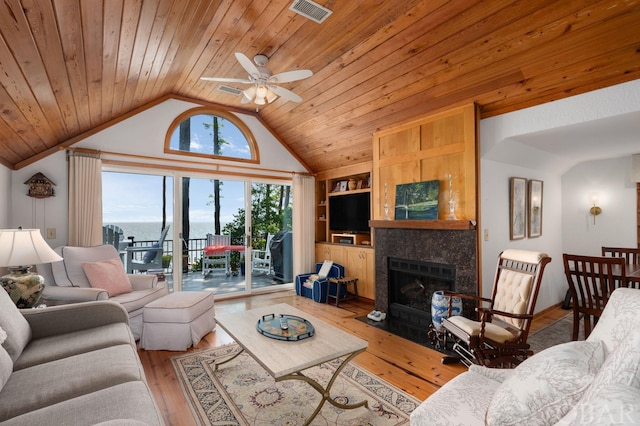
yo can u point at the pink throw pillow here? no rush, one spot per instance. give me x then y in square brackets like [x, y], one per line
[108, 275]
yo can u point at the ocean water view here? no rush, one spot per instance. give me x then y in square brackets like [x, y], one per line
[150, 231]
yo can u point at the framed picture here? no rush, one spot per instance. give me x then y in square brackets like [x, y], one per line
[517, 208]
[417, 201]
[535, 208]
[343, 185]
[359, 184]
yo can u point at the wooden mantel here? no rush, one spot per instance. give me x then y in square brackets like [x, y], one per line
[460, 225]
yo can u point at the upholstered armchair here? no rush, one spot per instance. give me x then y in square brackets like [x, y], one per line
[315, 285]
[97, 273]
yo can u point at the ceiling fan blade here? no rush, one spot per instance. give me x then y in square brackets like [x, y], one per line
[287, 76]
[247, 65]
[285, 93]
[227, 80]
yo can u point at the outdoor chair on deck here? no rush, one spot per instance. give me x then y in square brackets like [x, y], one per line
[216, 255]
[499, 337]
[112, 235]
[151, 257]
[261, 259]
[591, 281]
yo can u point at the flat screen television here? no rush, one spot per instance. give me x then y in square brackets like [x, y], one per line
[350, 212]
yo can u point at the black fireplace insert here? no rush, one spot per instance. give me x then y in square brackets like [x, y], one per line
[411, 286]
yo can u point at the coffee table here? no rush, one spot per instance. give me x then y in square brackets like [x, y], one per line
[285, 360]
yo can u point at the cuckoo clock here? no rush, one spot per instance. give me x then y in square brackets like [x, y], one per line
[40, 186]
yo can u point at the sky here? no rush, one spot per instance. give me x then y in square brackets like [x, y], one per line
[128, 197]
[235, 143]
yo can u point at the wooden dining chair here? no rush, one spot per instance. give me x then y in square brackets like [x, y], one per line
[591, 280]
[631, 255]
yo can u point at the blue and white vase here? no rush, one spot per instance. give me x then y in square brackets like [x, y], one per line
[440, 308]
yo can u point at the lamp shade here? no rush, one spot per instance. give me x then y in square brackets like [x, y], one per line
[20, 247]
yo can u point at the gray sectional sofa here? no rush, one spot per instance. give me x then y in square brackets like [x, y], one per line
[71, 365]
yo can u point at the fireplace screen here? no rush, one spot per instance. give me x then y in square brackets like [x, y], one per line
[411, 285]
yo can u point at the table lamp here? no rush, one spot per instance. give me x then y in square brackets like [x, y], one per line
[20, 249]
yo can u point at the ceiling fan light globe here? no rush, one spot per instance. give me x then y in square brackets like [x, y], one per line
[261, 91]
[271, 96]
[260, 101]
[249, 93]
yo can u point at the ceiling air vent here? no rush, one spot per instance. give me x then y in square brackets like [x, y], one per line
[311, 10]
[228, 89]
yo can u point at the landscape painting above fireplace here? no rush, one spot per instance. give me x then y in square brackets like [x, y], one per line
[417, 201]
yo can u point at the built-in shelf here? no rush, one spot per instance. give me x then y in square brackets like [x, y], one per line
[462, 225]
[349, 180]
[352, 191]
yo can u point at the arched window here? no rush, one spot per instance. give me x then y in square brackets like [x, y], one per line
[212, 133]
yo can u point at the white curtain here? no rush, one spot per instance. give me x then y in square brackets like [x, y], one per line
[85, 200]
[303, 224]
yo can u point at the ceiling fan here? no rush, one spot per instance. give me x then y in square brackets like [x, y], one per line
[264, 87]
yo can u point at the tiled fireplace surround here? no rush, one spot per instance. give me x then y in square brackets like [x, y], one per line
[453, 247]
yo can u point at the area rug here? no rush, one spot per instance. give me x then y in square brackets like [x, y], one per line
[241, 392]
[555, 333]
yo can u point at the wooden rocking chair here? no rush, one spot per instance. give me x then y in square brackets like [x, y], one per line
[499, 337]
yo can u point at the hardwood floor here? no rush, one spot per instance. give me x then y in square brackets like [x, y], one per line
[407, 365]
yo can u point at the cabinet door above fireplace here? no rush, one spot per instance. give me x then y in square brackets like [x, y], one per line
[440, 147]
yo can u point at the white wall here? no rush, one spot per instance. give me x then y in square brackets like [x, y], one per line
[5, 197]
[144, 135]
[556, 142]
[617, 224]
[494, 183]
[42, 213]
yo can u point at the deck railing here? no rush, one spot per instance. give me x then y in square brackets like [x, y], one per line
[195, 248]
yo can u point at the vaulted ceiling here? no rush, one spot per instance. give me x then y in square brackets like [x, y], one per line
[69, 66]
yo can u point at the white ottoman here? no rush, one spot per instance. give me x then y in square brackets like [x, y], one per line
[177, 321]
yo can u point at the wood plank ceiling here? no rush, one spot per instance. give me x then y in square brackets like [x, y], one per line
[68, 66]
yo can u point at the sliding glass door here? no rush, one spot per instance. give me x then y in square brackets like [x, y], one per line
[271, 236]
[226, 236]
[211, 228]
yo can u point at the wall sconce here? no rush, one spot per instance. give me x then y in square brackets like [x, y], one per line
[595, 210]
[535, 204]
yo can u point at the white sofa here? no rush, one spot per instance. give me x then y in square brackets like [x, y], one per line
[596, 381]
[67, 280]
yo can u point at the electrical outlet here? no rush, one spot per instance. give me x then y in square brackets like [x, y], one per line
[51, 233]
[486, 234]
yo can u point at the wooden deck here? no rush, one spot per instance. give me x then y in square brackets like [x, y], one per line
[226, 285]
